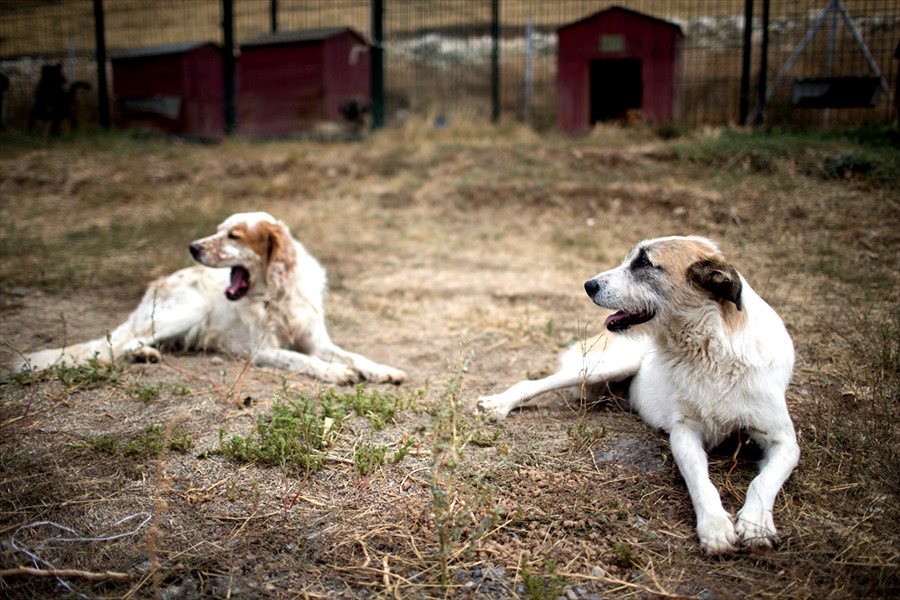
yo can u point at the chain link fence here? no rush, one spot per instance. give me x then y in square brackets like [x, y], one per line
[438, 53]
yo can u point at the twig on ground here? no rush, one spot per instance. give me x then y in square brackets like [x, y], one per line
[92, 576]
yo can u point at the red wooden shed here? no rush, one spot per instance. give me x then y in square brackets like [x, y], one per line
[616, 61]
[291, 81]
[175, 88]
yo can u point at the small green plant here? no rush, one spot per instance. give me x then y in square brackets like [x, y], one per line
[485, 438]
[298, 433]
[88, 375]
[583, 436]
[180, 442]
[461, 501]
[145, 393]
[625, 556]
[403, 451]
[295, 436]
[104, 443]
[378, 407]
[151, 442]
[147, 443]
[548, 587]
[368, 457]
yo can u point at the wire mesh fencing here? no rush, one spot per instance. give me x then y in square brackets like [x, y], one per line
[440, 55]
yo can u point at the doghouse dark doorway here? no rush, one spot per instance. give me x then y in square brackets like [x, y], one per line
[616, 86]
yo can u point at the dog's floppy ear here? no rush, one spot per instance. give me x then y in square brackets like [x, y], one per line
[280, 253]
[718, 278]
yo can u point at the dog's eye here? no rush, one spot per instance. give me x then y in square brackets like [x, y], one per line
[641, 262]
[233, 236]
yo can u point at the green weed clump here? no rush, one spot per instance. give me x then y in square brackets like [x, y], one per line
[90, 375]
[368, 457]
[537, 587]
[462, 501]
[146, 444]
[152, 441]
[300, 430]
[583, 436]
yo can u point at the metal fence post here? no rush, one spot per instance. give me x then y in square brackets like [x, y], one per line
[377, 65]
[102, 86]
[763, 65]
[745, 62]
[495, 60]
[228, 64]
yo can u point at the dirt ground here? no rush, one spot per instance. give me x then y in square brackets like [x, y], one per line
[459, 258]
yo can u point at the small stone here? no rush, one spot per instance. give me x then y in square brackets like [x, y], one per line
[599, 572]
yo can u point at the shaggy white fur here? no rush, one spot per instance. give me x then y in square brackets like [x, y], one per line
[264, 298]
[706, 357]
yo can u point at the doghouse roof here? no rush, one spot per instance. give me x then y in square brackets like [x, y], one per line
[619, 9]
[281, 38]
[160, 50]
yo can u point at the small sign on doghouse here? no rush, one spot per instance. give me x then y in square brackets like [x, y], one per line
[167, 107]
[836, 92]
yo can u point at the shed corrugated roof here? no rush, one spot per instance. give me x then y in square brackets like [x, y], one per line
[160, 50]
[299, 35]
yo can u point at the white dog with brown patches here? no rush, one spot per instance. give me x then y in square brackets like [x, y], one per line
[264, 298]
[706, 357]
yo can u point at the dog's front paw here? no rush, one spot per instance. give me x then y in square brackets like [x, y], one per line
[494, 407]
[145, 354]
[385, 375]
[339, 373]
[717, 534]
[756, 528]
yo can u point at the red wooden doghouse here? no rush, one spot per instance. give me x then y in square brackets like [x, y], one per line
[289, 82]
[175, 88]
[614, 63]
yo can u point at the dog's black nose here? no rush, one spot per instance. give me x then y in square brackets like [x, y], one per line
[591, 287]
[195, 250]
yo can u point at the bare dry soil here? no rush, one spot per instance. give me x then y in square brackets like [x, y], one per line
[458, 256]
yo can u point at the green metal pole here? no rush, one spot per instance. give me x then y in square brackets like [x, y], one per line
[495, 60]
[228, 65]
[102, 86]
[745, 62]
[377, 65]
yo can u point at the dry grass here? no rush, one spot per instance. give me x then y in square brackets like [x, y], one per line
[457, 255]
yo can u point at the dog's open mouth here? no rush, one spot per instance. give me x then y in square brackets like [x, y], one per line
[240, 283]
[622, 320]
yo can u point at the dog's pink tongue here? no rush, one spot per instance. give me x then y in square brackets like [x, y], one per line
[240, 282]
[615, 317]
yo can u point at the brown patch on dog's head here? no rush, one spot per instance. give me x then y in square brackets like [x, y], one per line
[677, 254]
[269, 240]
[257, 247]
[696, 265]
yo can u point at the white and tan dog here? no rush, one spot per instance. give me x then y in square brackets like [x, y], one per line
[707, 356]
[264, 299]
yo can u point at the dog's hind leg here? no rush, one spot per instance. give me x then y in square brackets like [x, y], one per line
[289, 360]
[160, 317]
[583, 365]
[368, 369]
